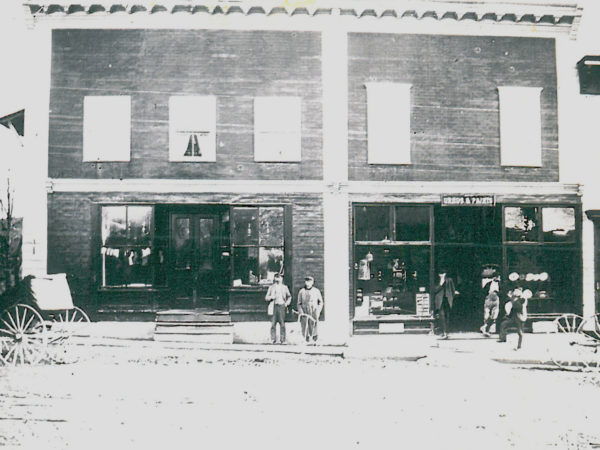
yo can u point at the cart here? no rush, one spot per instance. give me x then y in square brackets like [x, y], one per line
[38, 320]
[575, 343]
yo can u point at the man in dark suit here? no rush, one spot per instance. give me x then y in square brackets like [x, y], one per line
[443, 296]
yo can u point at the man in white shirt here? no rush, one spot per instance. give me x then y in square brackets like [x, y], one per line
[280, 295]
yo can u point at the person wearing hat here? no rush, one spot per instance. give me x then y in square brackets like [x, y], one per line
[491, 305]
[279, 294]
[310, 303]
[443, 295]
[516, 314]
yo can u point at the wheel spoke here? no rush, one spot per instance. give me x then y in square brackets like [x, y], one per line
[29, 322]
[15, 327]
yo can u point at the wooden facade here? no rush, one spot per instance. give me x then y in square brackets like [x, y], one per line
[455, 141]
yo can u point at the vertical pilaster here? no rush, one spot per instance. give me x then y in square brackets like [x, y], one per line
[37, 108]
[335, 171]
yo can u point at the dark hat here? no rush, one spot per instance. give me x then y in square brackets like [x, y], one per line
[308, 278]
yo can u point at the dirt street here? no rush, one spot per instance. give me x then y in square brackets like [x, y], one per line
[151, 398]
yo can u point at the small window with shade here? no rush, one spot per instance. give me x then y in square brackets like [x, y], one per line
[520, 126]
[192, 128]
[106, 128]
[277, 129]
[388, 123]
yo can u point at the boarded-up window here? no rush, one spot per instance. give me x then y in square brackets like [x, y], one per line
[192, 128]
[277, 129]
[520, 126]
[388, 123]
[106, 128]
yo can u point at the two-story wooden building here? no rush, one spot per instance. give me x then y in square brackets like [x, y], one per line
[195, 150]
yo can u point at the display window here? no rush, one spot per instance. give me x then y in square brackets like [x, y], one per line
[127, 250]
[521, 223]
[389, 278]
[549, 273]
[392, 259]
[257, 244]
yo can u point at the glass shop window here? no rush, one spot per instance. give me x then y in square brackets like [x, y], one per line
[521, 223]
[257, 244]
[126, 252]
[389, 278]
[372, 223]
[550, 275]
[412, 223]
[558, 224]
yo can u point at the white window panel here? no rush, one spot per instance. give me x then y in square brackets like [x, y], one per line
[520, 126]
[388, 123]
[277, 129]
[106, 128]
[192, 128]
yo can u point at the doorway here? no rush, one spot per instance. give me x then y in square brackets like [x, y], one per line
[465, 264]
[196, 277]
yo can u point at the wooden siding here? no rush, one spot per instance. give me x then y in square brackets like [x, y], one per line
[454, 99]
[73, 230]
[151, 65]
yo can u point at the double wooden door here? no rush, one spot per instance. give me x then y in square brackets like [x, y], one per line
[196, 273]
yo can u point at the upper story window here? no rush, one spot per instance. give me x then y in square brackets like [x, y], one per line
[520, 126]
[388, 123]
[192, 128]
[277, 129]
[106, 128]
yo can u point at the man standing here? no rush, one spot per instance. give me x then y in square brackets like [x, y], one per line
[310, 303]
[280, 295]
[444, 296]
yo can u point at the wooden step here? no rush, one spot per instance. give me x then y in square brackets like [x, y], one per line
[189, 316]
[186, 329]
[195, 338]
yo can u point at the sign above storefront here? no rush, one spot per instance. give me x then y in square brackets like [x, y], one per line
[468, 200]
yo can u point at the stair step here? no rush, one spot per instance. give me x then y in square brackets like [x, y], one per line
[193, 324]
[192, 316]
[193, 330]
[196, 338]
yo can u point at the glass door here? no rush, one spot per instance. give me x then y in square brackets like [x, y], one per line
[194, 258]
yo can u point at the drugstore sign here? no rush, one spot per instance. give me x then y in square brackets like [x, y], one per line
[468, 200]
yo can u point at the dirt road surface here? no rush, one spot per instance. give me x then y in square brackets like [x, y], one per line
[130, 397]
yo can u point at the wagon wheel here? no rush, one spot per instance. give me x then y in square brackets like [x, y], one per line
[591, 328]
[568, 346]
[22, 334]
[65, 326]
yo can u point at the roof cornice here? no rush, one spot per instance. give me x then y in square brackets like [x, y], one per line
[547, 16]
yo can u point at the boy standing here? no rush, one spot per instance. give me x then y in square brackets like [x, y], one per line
[516, 316]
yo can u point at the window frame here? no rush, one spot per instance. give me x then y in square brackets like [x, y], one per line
[153, 269]
[392, 224]
[91, 149]
[294, 133]
[209, 101]
[284, 247]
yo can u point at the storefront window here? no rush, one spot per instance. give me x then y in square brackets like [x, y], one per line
[549, 273]
[558, 224]
[258, 244]
[372, 223]
[126, 246]
[389, 278]
[412, 223]
[521, 223]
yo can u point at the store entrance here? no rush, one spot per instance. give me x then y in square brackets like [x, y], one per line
[465, 264]
[196, 276]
